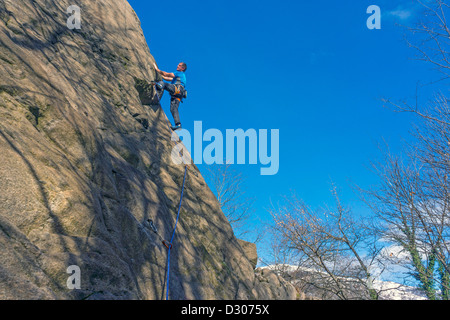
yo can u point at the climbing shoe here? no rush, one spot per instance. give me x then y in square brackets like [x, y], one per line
[158, 85]
[176, 127]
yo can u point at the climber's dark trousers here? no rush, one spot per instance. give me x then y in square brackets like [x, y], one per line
[174, 102]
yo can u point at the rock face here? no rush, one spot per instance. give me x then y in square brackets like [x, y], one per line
[86, 171]
[250, 251]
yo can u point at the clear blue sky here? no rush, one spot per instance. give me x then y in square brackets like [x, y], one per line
[311, 69]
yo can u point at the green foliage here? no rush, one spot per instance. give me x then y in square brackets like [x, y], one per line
[444, 277]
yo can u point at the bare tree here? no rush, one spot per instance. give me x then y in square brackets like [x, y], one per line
[411, 217]
[414, 199]
[411, 204]
[229, 188]
[335, 252]
[432, 36]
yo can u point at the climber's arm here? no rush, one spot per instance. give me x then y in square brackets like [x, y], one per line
[165, 75]
[167, 78]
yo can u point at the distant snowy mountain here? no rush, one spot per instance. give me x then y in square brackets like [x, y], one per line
[301, 278]
[394, 291]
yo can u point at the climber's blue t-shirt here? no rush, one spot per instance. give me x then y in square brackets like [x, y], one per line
[181, 76]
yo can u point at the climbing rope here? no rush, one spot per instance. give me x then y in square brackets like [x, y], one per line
[169, 244]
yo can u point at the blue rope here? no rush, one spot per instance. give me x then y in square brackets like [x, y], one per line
[173, 234]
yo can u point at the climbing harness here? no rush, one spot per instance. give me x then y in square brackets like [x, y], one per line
[169, 244]
[180, 92]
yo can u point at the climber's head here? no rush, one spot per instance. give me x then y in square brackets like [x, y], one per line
[182, 66]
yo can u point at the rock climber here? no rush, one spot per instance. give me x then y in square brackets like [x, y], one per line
[176, 89]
